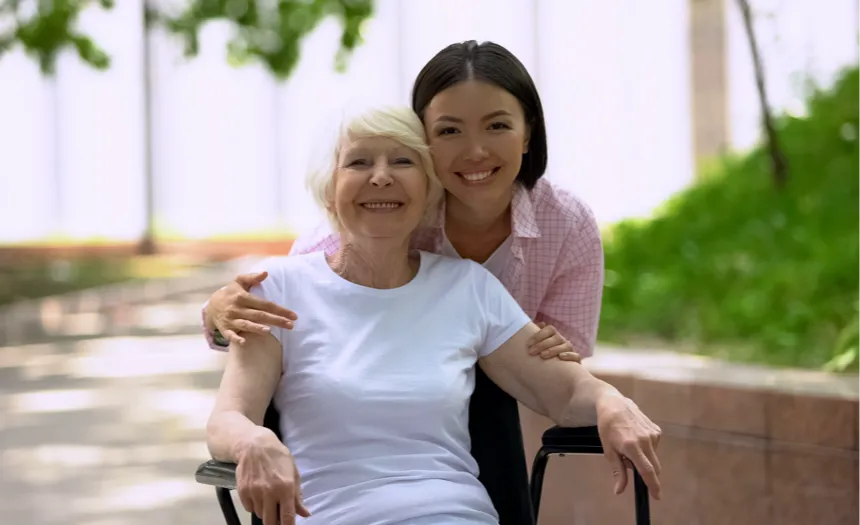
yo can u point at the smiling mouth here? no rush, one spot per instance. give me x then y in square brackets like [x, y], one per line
[477, 176]
[382, 205]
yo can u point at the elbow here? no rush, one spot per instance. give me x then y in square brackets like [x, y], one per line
[212, 428]
[218, 438]
[230, 433]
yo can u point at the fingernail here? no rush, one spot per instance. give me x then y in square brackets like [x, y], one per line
[267, 329]
[288, 325]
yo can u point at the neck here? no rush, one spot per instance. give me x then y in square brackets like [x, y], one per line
[372, 264]
[478, 220]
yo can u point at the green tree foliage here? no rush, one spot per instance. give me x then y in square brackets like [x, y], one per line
[737, 268]
[269, 31]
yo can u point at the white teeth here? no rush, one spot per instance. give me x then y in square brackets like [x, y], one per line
[381, 205]
[480, 175]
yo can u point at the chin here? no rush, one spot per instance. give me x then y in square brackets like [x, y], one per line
[392, 233]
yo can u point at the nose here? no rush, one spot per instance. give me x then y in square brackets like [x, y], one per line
[381, 175]
[476, 151]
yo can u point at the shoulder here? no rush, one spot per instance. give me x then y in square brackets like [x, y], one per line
[286, 275]
[560, 209]
[564, 217]
[287, 268]
[320, 239]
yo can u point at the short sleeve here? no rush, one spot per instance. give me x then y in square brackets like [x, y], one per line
[502, 315]
[572, 303]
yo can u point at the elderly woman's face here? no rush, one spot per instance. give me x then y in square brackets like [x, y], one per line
[380, 188]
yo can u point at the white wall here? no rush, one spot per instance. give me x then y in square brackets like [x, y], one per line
[230, 146]
[801, 41]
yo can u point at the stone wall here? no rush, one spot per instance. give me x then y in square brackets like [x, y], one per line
[742, 445]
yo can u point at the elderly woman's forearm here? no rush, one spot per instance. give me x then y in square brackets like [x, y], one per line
[581, 407]
[568, 393]
[229, 433]
[249, 381]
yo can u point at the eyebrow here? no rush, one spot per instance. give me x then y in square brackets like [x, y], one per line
[494, 114]
[365, 152]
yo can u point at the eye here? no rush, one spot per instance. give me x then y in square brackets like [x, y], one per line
[447, 131]
[495, 126]
[403, 161]
[356, 163]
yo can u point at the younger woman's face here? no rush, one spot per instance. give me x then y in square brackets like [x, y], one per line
[478, 136]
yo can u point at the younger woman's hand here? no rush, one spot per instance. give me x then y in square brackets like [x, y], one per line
[233, 310]
[548, 343]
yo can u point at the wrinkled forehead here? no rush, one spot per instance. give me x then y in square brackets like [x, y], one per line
[373, 145]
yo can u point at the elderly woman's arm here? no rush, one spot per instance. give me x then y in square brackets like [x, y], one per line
[247, 387]
[569, 395]
[267, 481]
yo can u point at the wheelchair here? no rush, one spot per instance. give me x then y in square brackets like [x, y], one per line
[497, 446]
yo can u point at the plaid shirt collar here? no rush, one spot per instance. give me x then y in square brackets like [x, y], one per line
[523, 219]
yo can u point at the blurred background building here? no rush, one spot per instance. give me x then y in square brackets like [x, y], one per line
[667, 83]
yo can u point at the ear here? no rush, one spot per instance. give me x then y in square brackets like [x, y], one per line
[528, 136]
[329, 199]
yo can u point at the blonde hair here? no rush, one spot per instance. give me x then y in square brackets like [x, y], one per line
[399, 123]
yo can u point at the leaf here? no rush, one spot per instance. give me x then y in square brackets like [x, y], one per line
[843, 361]
[90, 53]
[272, 31]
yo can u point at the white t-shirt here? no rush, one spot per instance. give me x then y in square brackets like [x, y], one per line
[495, 264]
[374, 398]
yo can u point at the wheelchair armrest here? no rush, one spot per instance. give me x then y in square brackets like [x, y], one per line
[576, 440]
[217, 474]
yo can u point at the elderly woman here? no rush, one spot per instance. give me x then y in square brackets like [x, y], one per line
[373, 381]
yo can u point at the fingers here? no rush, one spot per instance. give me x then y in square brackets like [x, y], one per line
[301, 510]
[265, 318]
[255, 302]
[245, 497]
[270, 512]
[646, 469]
[619, 472]
[570, 356]
[247, 326]
[233, 337]
[651, 453]
[552, 341]
[244, 316]
[287, 510]
[250, 280]
[544, 332]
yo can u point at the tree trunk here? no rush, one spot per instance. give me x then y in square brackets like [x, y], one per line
[778, 164]
[147, 245]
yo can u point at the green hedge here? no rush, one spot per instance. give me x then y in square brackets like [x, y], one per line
[737, 268]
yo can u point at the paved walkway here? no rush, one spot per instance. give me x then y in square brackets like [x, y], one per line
[108, 430]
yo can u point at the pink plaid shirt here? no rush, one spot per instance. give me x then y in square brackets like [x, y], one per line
[556, 272]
